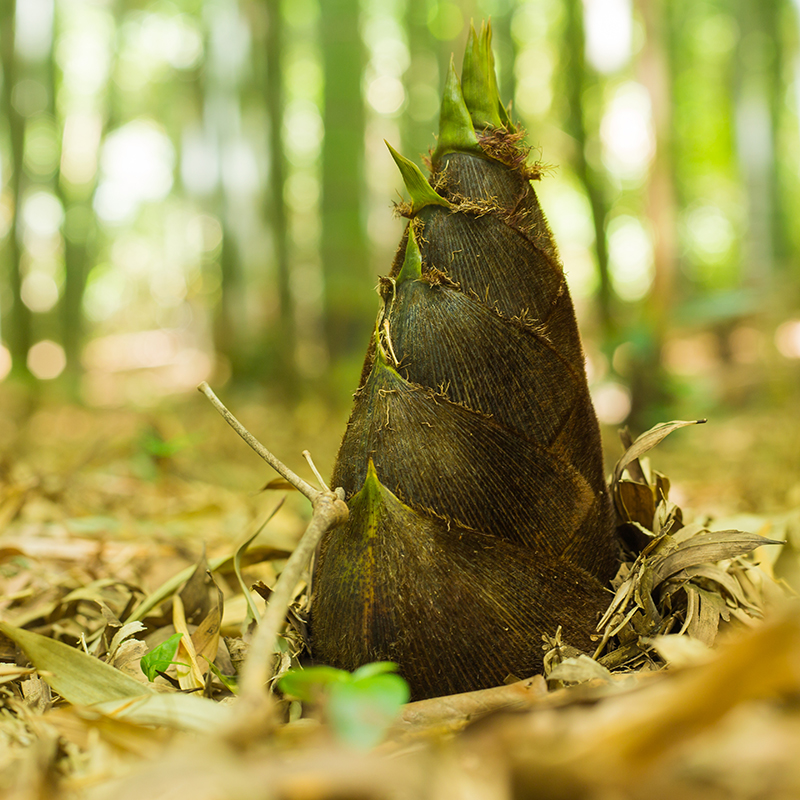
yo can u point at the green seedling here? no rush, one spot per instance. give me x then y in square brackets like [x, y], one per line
[160, 657]
[359, 707]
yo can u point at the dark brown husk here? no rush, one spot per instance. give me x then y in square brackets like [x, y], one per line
[490, 522]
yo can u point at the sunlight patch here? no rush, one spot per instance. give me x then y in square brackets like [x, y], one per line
[46, 360]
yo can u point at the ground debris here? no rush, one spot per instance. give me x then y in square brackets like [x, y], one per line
[691, 691]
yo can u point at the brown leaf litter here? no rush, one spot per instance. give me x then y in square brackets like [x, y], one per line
[653, 712]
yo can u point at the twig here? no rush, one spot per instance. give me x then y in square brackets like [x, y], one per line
[329, 510]
[304, 488]
[307, 456]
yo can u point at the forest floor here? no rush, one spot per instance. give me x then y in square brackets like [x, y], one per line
[99, 508]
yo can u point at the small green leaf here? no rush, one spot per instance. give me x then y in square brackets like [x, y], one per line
[375, 668]
[228, 681]
[160, 657]
[361, 711]
[421, 192]
[309, 684]
[359, 707]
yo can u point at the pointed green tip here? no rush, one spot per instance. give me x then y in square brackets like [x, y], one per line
[374, 500]
[421, 192]
[412, 263]
[479, 82]
[367, 503]
[456, 133]
[372, 483]
[502, 111]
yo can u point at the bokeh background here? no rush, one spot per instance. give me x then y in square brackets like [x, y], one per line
[199, 190]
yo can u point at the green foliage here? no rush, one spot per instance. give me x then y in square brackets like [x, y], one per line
[158, 448]
[228, 681]
[161, 656]
[675, 184]
[310, 685]
[155, 452]
[359, 706]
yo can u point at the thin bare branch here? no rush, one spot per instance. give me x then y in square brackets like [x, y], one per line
[302, 486]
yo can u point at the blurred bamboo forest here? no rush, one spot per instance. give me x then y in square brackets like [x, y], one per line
[199, 189]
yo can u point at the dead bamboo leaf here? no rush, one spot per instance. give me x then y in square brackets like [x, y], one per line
[125, 632]
[79, 678]
[638, 502]
[81, 727]
[37, 694]
[647, 441]
[688, 531]
[579, 669]
[194, 594]
[680, 651]
[619, 603]
[704, 548]
[206, 638]
[719, 576]
[187, 712]
[128, 659]
[13, 672]
[705, 623]
[169, 587]
[278, 484]
[190, 676]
